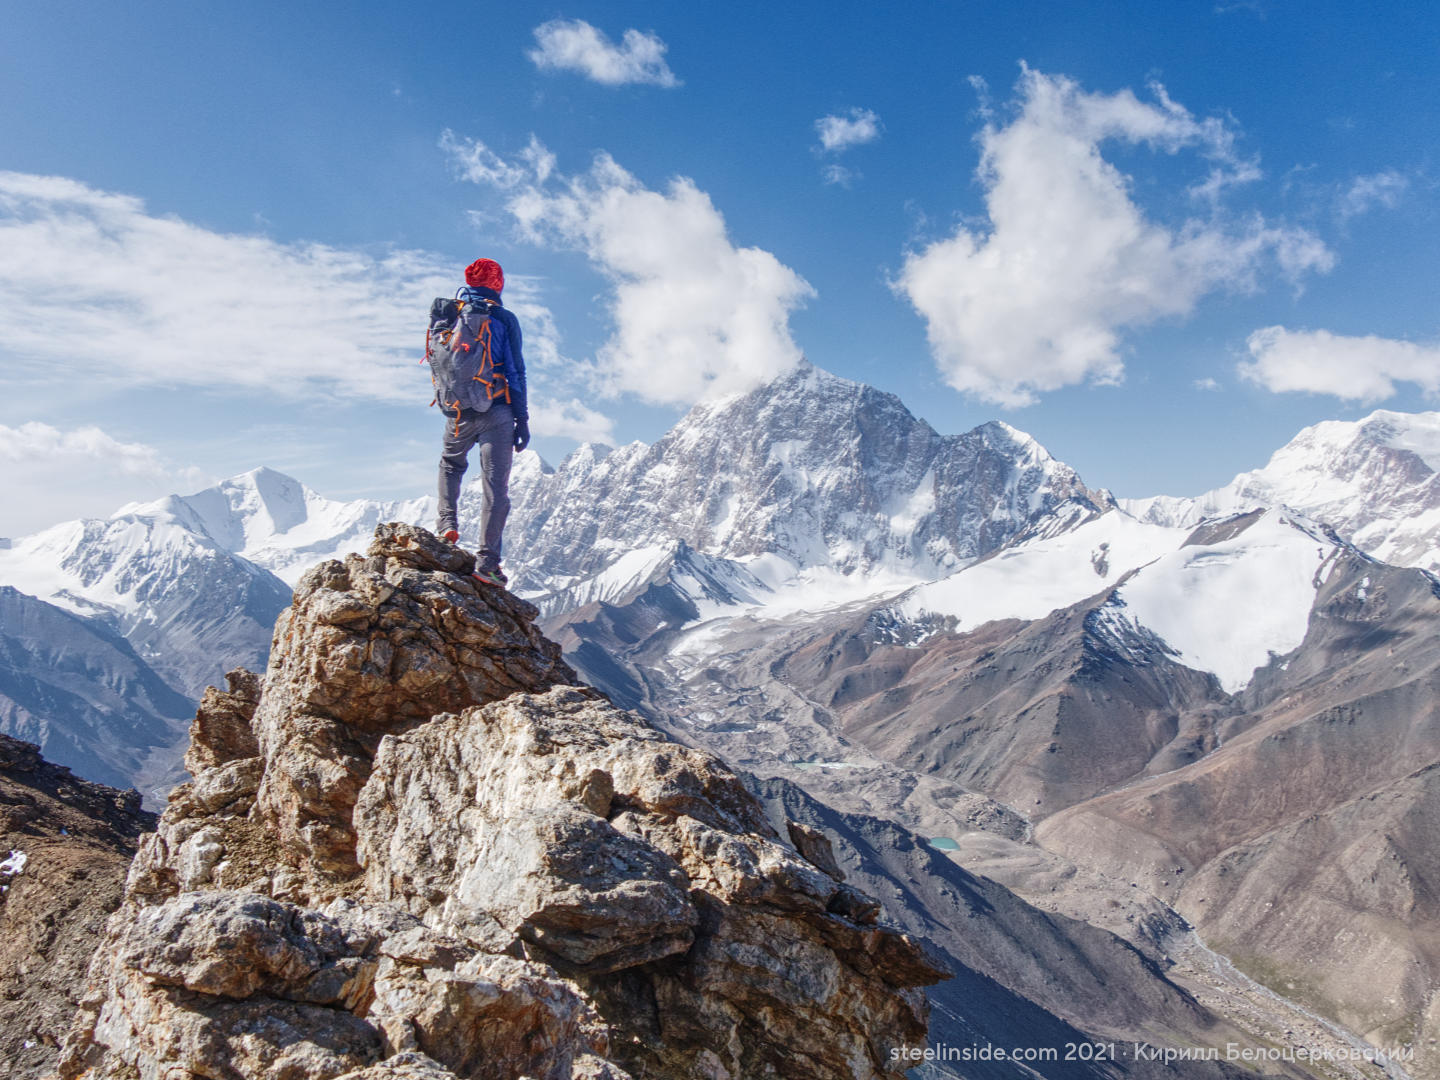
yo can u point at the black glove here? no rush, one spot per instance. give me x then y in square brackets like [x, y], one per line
[522, 434]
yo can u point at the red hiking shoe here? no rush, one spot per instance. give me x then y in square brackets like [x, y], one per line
[451, 536]
[491, 574]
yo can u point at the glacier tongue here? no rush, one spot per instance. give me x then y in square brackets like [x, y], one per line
[1232, 598]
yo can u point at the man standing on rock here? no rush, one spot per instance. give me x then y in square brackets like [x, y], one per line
[473, 346]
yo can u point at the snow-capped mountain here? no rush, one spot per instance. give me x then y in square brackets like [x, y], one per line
[813, 473]
[1375, 481]
[1223, 597]
[278, 523]
[810, 473]
[189, 607]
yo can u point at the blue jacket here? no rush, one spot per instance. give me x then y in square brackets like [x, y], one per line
[505, 347]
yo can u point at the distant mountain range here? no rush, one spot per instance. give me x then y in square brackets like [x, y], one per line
[1215, 712]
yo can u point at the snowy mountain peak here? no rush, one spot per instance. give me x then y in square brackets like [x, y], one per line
[1415, 433]
[248, 510]
[1001, 433]
[812, 469]
[1374, 480]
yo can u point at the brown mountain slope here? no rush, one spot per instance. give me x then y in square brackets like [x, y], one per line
[1305, 845]
[1039, 715]
[65, 844]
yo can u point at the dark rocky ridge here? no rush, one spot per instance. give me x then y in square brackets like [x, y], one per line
[78, 689]
[76, 840]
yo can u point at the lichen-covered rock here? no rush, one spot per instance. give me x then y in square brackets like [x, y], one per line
[417, 851]
[223, 729]
[562, 823]
[374, 645]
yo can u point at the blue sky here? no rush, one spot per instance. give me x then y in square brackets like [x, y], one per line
[1160, 238]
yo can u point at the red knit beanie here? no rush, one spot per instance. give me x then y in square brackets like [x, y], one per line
[485, 274]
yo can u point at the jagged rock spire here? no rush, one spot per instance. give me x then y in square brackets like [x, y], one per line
[417, 849]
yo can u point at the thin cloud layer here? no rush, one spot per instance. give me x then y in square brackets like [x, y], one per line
[694, 315]
[94, 285]
[575, 45]
[99, 290]
[1040, 296]
[1365, 193]
[1363, 369]
[49, 473]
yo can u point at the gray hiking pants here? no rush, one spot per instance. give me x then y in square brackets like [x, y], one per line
[494, 432]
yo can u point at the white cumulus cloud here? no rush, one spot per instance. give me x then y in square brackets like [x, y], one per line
[694, 315]
[49, 473]
[855, 128]
[1039, 296]
[575, 45]
[1363, 369]
[572, 419]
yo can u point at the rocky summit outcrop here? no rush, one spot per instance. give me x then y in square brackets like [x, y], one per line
[417, 849]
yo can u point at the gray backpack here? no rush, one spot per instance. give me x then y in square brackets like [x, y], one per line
[460, 347]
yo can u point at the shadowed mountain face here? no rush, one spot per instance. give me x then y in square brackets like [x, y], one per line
[1059, 980]
[79, 690]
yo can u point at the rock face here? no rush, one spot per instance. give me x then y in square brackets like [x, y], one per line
[64, 846]
[417, 849]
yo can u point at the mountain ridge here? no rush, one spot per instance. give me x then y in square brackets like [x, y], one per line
[1375, 480]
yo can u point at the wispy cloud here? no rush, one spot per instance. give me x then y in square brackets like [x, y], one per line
[855, 128]
[1040, 297]
[1364, 193]
[1363, 369]
[94, 284]
[1207, 383]
[575, 45]
[49, 473]
[102, 292]
[693, 314]
[1254, 7]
